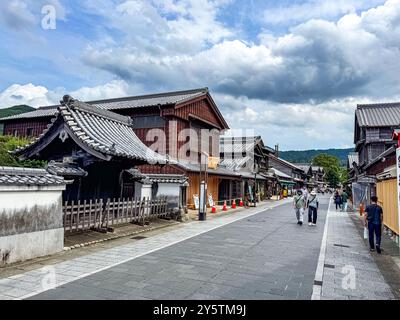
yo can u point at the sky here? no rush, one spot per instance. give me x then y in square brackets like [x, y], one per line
[292, 71]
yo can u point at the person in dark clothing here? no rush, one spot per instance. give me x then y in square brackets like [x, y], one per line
[338, 200]
[373, 221]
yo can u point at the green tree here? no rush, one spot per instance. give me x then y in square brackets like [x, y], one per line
[7, 159]
[331, 167]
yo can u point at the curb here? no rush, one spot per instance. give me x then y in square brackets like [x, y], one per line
[319, 274]
[119, 236]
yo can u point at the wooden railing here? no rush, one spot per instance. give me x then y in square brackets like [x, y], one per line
[97, 214]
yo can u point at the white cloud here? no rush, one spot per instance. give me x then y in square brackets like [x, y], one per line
[37, 96]
[315, 9]
[28, 94]
[113, 89]
[317, 61]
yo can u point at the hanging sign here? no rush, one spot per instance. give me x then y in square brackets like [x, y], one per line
[210, 200]
[196, 201]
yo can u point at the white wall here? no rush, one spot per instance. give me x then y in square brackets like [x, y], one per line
[31, 222]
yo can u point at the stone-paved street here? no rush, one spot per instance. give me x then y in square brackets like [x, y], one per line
[258, 253]
[350, 272]
[265, 256]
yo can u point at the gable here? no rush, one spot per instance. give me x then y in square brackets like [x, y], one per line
[203, 109]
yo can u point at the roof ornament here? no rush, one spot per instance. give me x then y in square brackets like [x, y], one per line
[67, 100]
[63, 135]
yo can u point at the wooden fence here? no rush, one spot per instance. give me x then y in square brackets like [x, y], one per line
[97, 214]
[387, 195]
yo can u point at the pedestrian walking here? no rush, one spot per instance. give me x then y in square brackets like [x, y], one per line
[345, 198]
[374, 221]
[338, 200]
[299, 204]
[305, 192]
[312, 204]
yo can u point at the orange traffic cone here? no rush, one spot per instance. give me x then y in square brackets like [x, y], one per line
[233, 204]
[241, 203]
[213, 209]
[224, 208]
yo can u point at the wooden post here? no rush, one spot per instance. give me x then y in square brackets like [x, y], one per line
[84, 215]
[90, 213]
[65, 215]
[72, 215]
[77, 215]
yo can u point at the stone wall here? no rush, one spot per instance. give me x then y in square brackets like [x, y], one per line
[31, 222]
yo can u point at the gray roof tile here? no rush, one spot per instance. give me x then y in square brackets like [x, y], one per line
[162, 99]
[378, 115]
[65, 169]
[28, 176]
[101, 130]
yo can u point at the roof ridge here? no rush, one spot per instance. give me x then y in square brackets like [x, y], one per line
[379, 105]
[69, 102]
[149, 96]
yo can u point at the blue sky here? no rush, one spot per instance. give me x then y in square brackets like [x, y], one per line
[293, 71]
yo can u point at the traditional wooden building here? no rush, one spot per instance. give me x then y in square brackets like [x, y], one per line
[289, 169]
[92, 147]
[248, 156]
[373, 130]
[314, 176]
[166, 122]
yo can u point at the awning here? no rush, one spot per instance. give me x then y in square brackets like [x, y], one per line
[286, 182]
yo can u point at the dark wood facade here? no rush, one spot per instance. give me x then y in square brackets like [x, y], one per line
[26, 127]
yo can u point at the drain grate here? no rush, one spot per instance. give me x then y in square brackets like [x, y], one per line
[341, 245]
[318, 283]
[329, 266]
[139, 238]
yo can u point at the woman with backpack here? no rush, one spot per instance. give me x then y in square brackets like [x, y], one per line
[312, 204]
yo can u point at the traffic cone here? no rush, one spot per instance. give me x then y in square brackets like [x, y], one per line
[233, 204]
[224, 208]
[241, 203]
[213, 209]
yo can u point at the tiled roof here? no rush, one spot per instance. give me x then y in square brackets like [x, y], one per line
[100, 130]
[304, 167]
[196, 168]
[250, 175]
[287, 163]
[28, 176]
[378, 115]
[239, 144]
[167, 178]
[234, 164]
[163, 99]
[280, 174]
[65, 169]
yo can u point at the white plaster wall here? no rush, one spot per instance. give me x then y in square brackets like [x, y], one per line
[16, 200]
[168, 189]
[31, 222]
[25, 246]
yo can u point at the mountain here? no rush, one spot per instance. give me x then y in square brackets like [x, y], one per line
[13, 111]
[308, 155]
